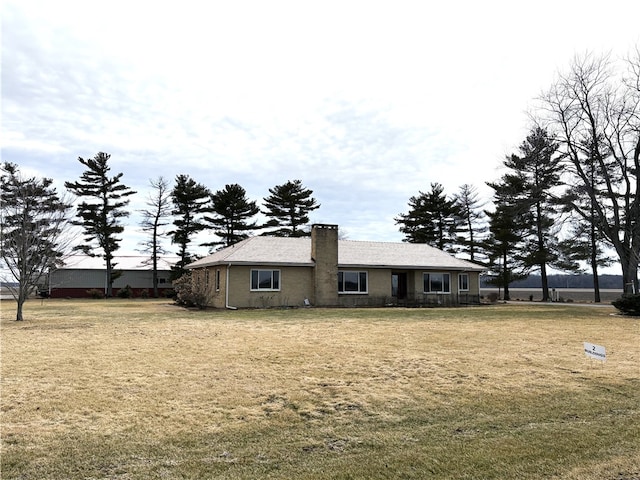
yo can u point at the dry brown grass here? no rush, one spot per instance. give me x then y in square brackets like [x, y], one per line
[144, 389]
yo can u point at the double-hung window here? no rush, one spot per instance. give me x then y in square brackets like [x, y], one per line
[265, 280]
[463, 282]
[352, 282]
[437, 283]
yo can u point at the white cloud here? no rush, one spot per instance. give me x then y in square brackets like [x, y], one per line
[366, 102]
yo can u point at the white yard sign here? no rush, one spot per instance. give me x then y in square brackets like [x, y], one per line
[594, 351]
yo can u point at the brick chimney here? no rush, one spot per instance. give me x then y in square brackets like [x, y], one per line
[324, 252]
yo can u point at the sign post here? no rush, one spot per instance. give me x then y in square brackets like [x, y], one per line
[595, 351]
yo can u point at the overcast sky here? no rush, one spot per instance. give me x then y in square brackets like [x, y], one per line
[366, 102]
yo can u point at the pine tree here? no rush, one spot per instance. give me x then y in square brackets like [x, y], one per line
[508, 223]
[100, 215]
[289, 206]
[586, 241]
[538, 167]
[34, 225]
[232, 211]
[431, 219]
[191, 201]
[471, 221]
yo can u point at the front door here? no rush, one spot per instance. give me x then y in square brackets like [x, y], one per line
[399, 285]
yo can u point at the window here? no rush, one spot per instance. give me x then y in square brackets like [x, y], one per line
[463, 282]
[352, 282]
[265, 279]
[436, 283]
[218, 280]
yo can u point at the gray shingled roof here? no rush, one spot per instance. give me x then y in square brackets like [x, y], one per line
[398, 255]
[261, 251]
[297, 251]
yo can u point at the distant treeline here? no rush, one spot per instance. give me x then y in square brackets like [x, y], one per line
[563, 281]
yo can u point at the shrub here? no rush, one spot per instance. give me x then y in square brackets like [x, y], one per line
[492, 297]
[190, 291]
[628, 304]
[126, 292]
[95, 293]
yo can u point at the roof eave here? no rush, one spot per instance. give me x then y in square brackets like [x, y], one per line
[247, 263]
[413, 267]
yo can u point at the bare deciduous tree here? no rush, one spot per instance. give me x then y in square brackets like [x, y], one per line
[154, 218]
[595, 113]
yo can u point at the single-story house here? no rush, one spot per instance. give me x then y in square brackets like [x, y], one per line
[82, 276]
[322, 270]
